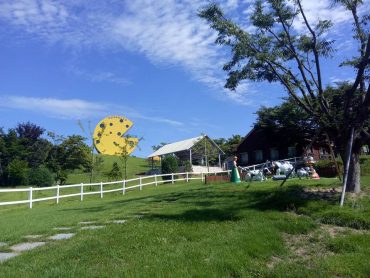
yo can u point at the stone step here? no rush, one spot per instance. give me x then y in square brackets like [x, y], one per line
[26, 246]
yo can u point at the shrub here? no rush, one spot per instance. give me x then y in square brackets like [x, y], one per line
[170, 165]
[365, 165]
[40, 176]
[187, 166]
[115, 173]
[17, 171]
[326, 168]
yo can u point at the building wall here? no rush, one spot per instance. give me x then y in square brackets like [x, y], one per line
[257, 141]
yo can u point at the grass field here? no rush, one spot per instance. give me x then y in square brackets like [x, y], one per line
[135, 165]
[182, 230]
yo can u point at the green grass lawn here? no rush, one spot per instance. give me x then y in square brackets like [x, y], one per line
[135, 165]
[182, 230]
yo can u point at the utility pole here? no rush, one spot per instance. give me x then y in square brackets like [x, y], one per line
[205, 151]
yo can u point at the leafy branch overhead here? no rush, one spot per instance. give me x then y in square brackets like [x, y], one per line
[275, 50]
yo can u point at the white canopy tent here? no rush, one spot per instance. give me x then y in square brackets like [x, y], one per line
[190, 149]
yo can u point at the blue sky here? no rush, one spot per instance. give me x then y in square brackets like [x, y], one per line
[154, 62]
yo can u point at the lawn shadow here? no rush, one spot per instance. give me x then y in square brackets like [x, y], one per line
[231, 204]
[198, 215]
[219, 203]
[86, 210]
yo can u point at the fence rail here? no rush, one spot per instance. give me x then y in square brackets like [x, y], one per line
[122, 187]
[268, 163]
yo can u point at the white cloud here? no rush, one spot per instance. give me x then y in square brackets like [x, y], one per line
[75, 109]
[322, 10]
[99, 76]
[334, 80]
[46, 18]
[167, 32]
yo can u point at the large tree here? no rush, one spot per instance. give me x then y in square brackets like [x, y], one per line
[287, 124]
[275, 51]
[68, 154]
[229, 145]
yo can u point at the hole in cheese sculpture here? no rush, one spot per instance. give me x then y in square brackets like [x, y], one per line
[109, 136]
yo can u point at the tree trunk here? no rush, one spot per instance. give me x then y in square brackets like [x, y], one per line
[354, 173]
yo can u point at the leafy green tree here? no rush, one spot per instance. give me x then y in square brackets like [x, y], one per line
[2, 150]
[275, 51]
[115, 173]
[17, 171]
[157, 147]
[170, 165]
[287, 123]
[68, 154]
[34, 148]
[187, 166]
[124, 149]
[229, 145]
[29, 131]
[41, 176]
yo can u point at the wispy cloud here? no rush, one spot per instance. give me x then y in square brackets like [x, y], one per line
[323, 10]
[167, 32]
[75, 109]
[336, 80]
[99, 76]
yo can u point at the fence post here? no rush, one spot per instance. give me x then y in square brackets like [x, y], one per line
[155, 180]
[123, 187]
[141, 187]
[58, 192]
[82, 191]
[172, 178]
[202, 177]
[187, 176]
[30, 197]
[101, 190]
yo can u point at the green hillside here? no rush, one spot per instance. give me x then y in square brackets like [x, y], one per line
[135, 166]
[196, 230]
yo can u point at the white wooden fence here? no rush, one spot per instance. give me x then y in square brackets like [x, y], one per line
[268, 163]
[121, 187]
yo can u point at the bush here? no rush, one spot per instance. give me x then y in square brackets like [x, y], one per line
[41, 177]
[365, 165]
[188, 167]
[326, 168]
[170, 165]
[115, 173]
[17, 171]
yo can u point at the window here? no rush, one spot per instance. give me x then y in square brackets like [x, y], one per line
[274, 154]
[244, 157]
[258, 155]
[291, 152]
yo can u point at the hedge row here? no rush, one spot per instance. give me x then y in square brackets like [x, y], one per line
[326, 168]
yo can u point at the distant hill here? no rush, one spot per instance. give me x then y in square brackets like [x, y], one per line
[135, 166]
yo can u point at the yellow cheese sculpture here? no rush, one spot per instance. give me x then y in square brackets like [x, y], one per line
[109, 136]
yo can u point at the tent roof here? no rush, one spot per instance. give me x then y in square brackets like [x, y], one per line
[181, 146]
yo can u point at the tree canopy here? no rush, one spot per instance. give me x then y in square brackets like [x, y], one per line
[28, 158]
[274, 51]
